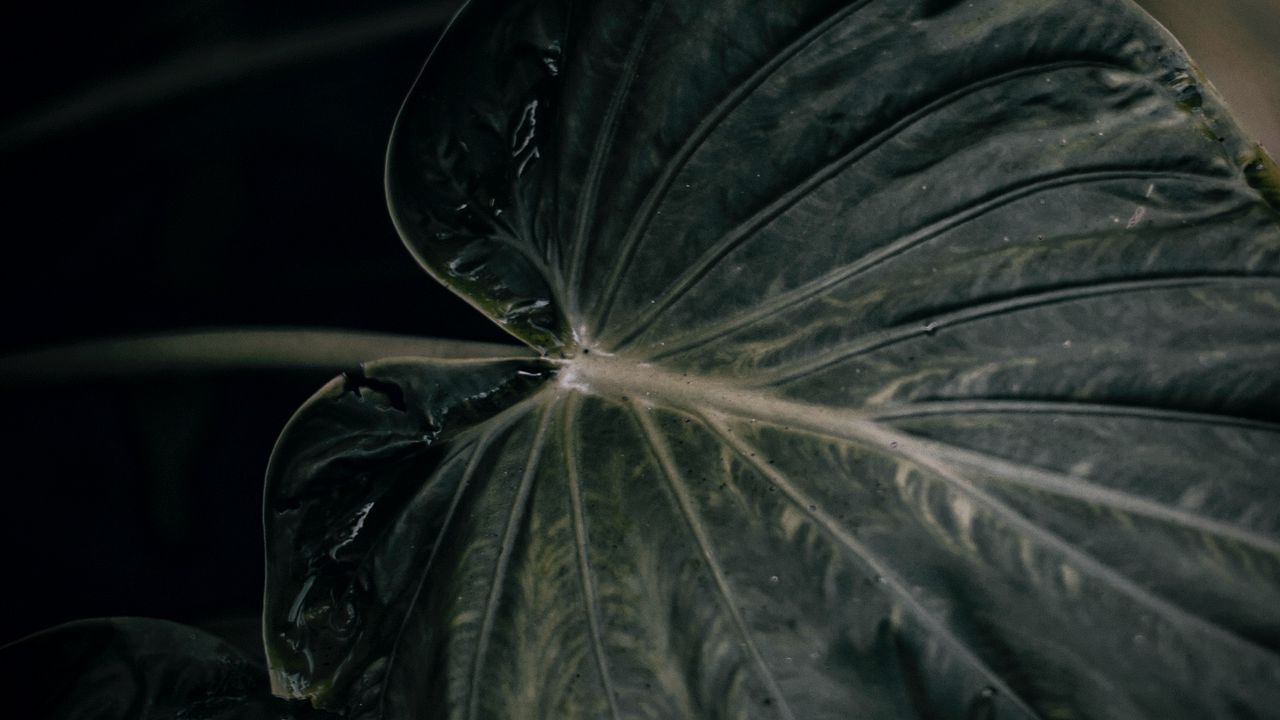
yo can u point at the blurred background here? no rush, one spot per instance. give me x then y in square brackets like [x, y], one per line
[170, 165]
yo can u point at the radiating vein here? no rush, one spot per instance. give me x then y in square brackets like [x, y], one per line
[774, 306]
[590, 598]
[1048, 407]
[603, 144]
[1088, 563]
[478, 449]
[639, 225]
[888, 441]
[747, 229]
[1086, 491]
[851, 425]
[516, 245]
[675, 481]
[843, 423]
[808, 506]
[514, 522]
[880, 339]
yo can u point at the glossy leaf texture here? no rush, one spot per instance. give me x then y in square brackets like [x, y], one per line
[903, 359]
[134, 669]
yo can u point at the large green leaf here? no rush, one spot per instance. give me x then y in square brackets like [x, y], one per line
[903, 359]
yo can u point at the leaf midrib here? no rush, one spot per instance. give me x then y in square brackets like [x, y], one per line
[619, 378]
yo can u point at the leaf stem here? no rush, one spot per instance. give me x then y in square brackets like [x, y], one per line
[223, 349]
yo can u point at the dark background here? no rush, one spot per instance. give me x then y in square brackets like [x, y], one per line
[168, 165]
[176, 164]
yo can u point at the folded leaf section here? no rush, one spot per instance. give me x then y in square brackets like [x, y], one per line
[363, 484]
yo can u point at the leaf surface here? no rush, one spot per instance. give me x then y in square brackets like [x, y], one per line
[901, 360]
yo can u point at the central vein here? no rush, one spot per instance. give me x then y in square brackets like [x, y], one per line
[614, 377]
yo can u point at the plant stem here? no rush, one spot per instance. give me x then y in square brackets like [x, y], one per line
[222, 349]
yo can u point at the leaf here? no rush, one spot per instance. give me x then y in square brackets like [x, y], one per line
[903, 359]
[134, 669]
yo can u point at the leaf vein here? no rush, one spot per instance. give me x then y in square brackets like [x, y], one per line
[814, 288]
[878, 340]
[478, 450]
[779, 206]
[658, 191]
[515, 520]
[603, 144]
[590, 597]
[1084, 490]
[675, 481]
[751, 455]
[874, 436]
[1035, 407]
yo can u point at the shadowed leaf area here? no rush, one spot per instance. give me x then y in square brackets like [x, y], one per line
[135, 669]
[900, 359]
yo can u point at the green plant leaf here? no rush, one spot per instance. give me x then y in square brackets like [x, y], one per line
[134, 669]
[903, 359]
